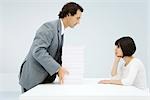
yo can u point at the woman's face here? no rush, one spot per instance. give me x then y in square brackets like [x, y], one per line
[118, 51]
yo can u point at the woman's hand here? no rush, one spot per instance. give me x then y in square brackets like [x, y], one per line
[117, 82]
[117, 59]
[104, 82]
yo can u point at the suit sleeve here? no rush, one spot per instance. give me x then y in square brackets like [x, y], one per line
[41, 42]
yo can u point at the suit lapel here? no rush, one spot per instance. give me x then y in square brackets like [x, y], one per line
[59, 33]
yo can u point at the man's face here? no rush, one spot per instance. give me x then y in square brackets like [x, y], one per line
[74, 20]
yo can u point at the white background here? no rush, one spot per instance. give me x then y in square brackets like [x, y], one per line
[103, 22]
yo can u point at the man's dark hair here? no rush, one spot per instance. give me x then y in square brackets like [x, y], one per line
[70, 8]
[127, 45]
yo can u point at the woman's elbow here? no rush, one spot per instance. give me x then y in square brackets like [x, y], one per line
[126, 82]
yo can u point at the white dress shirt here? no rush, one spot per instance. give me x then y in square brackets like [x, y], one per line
[62, 27]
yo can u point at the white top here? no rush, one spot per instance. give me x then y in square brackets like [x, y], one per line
[132, 74]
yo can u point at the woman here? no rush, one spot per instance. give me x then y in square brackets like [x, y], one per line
[132, 72]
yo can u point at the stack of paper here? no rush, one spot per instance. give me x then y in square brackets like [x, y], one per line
[73, 61]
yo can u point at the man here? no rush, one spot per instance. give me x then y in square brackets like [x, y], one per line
[43, 61]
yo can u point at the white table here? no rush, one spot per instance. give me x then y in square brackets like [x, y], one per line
[89, 90]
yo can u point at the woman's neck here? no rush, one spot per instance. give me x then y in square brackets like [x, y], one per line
[127, 59]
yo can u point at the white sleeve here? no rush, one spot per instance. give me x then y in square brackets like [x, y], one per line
[131, 75]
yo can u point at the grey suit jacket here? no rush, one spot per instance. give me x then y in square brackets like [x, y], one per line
[41, 60]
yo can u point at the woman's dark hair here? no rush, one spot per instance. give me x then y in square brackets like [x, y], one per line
[70, 8]
[127, 45]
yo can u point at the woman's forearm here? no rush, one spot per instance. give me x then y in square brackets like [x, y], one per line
[115, 66]
[118, 82]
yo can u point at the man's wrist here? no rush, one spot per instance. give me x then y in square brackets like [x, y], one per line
[58, 69]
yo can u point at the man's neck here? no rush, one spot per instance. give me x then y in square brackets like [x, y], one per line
[65, 22]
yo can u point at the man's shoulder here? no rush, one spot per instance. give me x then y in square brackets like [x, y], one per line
[49, 26]
[52, 23]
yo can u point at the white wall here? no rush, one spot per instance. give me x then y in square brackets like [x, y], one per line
[103, 22]
[148, 52]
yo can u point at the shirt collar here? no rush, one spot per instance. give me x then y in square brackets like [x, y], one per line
[62, 27]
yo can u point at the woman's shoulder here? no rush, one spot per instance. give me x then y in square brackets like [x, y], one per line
[138, 62]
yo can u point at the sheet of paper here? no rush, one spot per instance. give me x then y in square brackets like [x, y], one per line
[73, 61]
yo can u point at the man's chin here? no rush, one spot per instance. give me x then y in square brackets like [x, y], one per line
[72, 26]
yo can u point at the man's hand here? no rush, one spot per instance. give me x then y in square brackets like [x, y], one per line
[61, 74]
